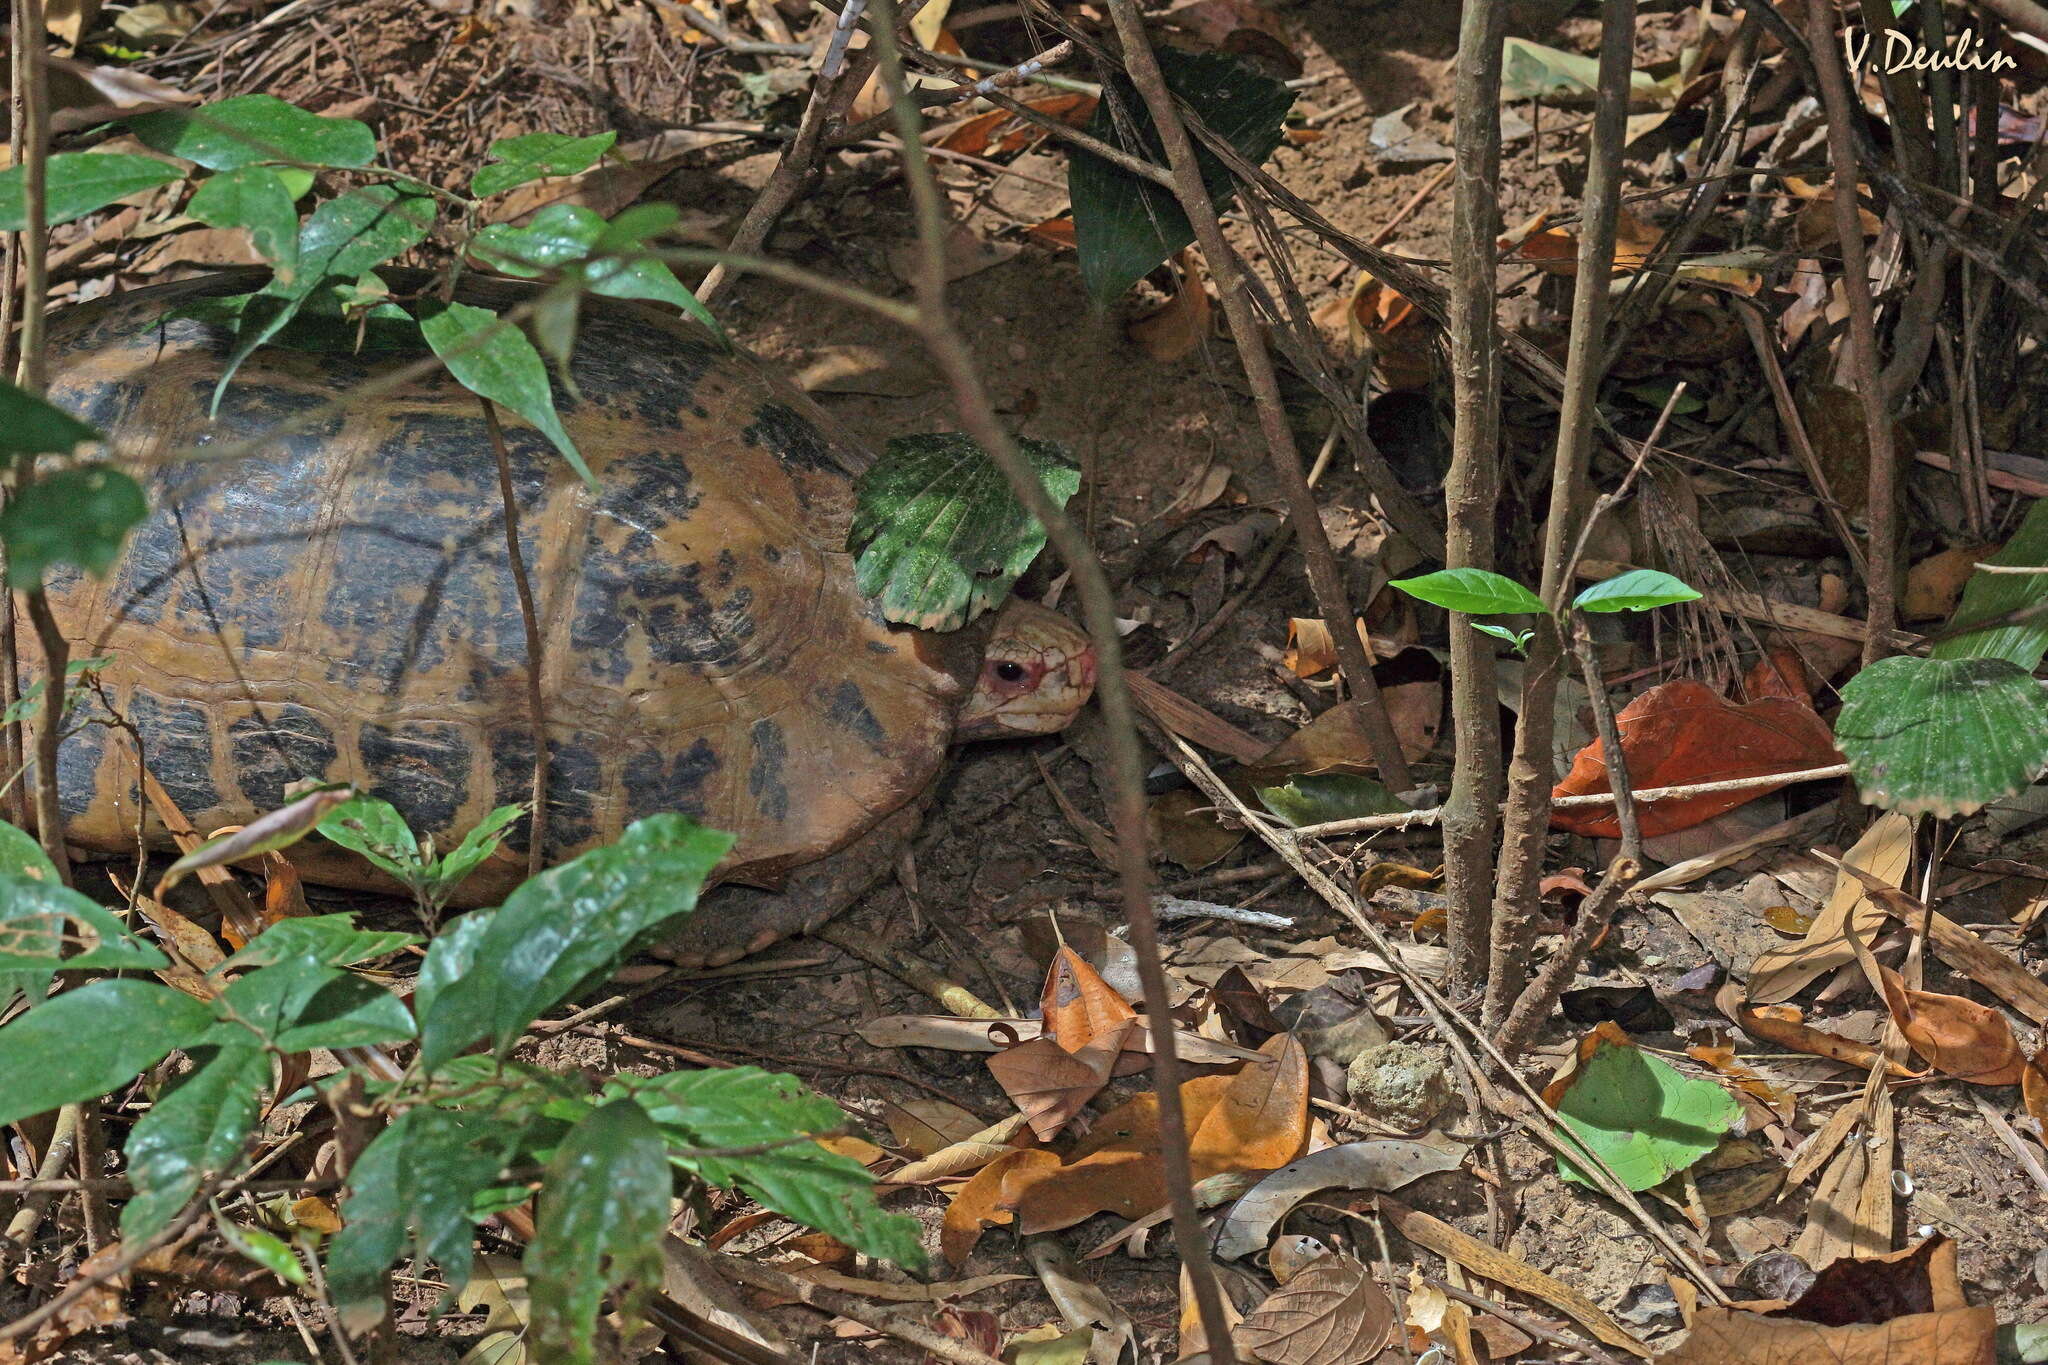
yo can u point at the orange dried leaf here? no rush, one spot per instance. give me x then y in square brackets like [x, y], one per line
[1078, 1005]
[1181, 324]
[1053, 232]
[1783, 1025]
[1000, 131]
[2034, 1091]
[1958, 1037]
[1684, 732]
[979, 1204]
[1261, 1122]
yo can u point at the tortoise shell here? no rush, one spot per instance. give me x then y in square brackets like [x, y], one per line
[341, 606]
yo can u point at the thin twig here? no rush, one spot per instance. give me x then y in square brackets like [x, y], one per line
[42, 1192]
[1533, 769]
[850, 1306]
[1863, 359]
[536, 697]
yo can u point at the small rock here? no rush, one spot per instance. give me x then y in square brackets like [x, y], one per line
[1776, 1275]
[1400, 1084]
[1649, 1303]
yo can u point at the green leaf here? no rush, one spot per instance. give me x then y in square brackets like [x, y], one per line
[331, 939]
[74, 516]
[1125, 226]
[1314, 798]
[477, 845]
[1518, 638]
[516, 160]
[248, 129]
[603, 1211]
[1636, 590]
[77, 183]
[302, 1003]
[29, 426]
[36, 918]
[1533, 71]
[416, 1183]
[1642, 1117]
[83, 1043]
[939, 534]
[747, 1107]
[564, 235]
[263, 1248]
[494, 360]
[22, 856]
[1989, 596]
[567, 925]
[1657, 392]
[196, 1128]
[1475, 592]
[1942, 737]
[375, 829]
[255, 199]
[449, 958]
[346, 236]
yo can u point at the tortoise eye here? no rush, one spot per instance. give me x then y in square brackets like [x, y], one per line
[1010, 671]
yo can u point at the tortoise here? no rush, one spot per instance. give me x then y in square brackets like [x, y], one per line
[342, 606]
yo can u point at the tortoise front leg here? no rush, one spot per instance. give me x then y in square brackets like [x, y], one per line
[733, 922]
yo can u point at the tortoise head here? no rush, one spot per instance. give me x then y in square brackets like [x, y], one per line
[1036, 674]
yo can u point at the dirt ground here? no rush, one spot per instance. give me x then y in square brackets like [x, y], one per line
[997, 853]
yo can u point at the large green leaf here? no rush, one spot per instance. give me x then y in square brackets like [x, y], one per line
[1475, 592]
[195, 1128]
[603, 1210]
[22, 856]
[256, 200]
[567, 925]
[516, 160]
[302, 1003]
[1641, 1116]
[373, 827]
[417, 1184]
[1636, 590]
[1942, 736]
[248, 129]
[79, 182]
[747, 1107]
[330, 939]
[940, 536]
[83, 1043]
[1315, 798]
[1990, 596]
[1125, 226]
[74, 516]
[40, 916]
[30, 426]
[493, 359]
[564, 235]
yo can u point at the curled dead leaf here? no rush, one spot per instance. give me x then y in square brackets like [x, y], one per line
[979, 1204]
[1957, 1036]
[1330, 1312]
[1178, 326]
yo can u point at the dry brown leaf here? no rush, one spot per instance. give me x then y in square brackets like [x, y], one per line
[604, 189]
[1961, 949]
[1783, 1025]
[102, 1306]
[1934, 585]
[1958, 1037]
[1194, 1340]
[1728, 1336]
[1884, 851]
[1330, 1313]
[1078, 1006]
[969, 1154]
[2034, 1091]
[1053, 232]
[1851, 1211]
[928, 1126]
[978, 1204]
[1335, 742]
[1185, 829]
[1000, 132]
[1115, 1168]
[1814, 224]
[1178, 326]
[1050, 1084]
[1261, 1121]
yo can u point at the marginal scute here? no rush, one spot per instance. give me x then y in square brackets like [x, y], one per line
[341, 606]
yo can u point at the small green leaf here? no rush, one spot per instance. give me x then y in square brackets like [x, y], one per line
[516, 160]
[302, 1003]
[494, 360]
[416, 1184]
[331, 939]
[297, 183]
[1992, 597]
[248, 129]
[632, 227]
[1315, 798]
[1656, 393]
[1642, 1117]
[79, 182]
[255, 199]
[1125, 226]
[1533, 71]
[1518, 638]
[564, 235]
[267, 833]
[1475, 592]
[74, 516]
[567, 925]
[603, 1210]
[261, 1247]
[196, 1128]
[477, 845]
[747, 1107]
[1942, 737]
[29, 426]
[83, 1043]
[1636, 590]
[375, 829]
[939, 534]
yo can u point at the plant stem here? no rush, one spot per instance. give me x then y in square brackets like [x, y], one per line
[536, 697]
[1863, 363]
[1472, 488]
[1533, 769]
